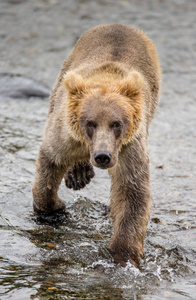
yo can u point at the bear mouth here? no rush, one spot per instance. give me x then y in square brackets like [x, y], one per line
[102, 167]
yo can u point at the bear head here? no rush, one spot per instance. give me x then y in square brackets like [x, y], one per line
[105, 113]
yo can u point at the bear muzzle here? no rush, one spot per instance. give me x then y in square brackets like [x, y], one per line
[102, 159]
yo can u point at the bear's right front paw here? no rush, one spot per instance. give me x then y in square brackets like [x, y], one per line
[79, 176]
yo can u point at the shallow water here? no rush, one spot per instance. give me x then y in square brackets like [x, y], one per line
[70, 259]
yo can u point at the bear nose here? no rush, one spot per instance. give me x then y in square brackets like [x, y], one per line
[102, 158]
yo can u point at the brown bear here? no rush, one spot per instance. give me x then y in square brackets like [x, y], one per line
[100, 110]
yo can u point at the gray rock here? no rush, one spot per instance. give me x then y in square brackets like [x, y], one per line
[21, 87]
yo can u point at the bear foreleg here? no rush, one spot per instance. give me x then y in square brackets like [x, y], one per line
[130, 205]
[48, 177]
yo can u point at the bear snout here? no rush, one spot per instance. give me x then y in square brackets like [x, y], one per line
[102, 158]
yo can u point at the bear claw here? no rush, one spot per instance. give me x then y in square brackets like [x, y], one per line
[78, 177]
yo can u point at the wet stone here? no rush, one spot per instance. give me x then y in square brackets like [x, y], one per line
[19, 87]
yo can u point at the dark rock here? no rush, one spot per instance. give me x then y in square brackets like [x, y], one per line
[20, 87]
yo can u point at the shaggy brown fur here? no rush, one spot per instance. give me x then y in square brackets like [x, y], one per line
[100, 110]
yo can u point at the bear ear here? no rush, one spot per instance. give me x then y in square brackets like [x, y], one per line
[131, 88]
[74, 84]
[132, 85]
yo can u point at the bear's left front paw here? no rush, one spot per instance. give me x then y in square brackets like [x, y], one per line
[122, 259]
[122, 254]
[79, 176]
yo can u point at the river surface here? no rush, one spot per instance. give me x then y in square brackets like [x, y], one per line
[69, 258]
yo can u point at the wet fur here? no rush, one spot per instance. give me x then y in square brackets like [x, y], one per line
[112, 68]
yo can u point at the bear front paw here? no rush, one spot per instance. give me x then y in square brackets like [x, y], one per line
[122, 259]
[78, 177]
[122, 253]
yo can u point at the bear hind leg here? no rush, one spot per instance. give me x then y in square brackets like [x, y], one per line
[79, 176]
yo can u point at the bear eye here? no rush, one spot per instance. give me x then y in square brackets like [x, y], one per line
[117, 128]
[116, 125]
[91, 125]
